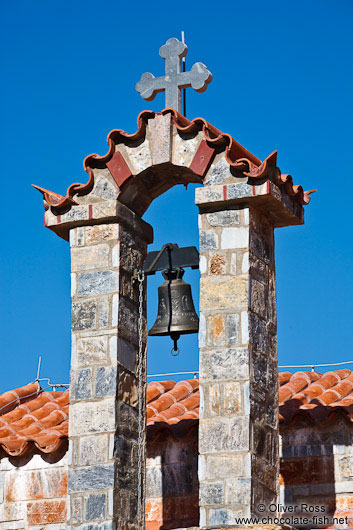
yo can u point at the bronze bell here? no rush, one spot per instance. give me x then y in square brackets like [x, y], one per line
[176, 312]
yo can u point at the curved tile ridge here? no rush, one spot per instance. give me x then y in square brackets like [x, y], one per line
[33, 418]
[172, 405]
[318, 401]
[236, 155]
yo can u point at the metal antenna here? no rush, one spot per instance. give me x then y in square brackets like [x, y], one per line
[38, 369]
[183, 60]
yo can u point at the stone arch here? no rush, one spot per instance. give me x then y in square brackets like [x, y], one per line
[166, 150]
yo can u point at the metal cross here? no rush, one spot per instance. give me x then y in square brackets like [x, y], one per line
[174, 80]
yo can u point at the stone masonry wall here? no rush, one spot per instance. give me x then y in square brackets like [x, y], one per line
[317, 470]
[33, 493]
[172, 487]
[238, 364]
[104, 387]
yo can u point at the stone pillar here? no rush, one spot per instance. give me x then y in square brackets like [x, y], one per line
[103, 471]
[238, 433]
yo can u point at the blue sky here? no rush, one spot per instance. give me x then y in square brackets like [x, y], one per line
[282, 79]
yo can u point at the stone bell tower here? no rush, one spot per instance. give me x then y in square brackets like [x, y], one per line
[241, 201]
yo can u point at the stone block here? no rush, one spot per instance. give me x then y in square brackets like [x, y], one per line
[77, 236]
[345, 465]
[233, 329]
[209, 194]
[217, 264]
[92, 417]
[104, 186]
[95, 506]
[218, 172]
[45, 512]
[235, 238]
[224, 218]
[93, 450]
[97, 233]
[223, 466]
[81, 384]
[224, 364]
[184, 148]
[211, 493]
[99, 282]
[233, 263]
[106, 381]
[216, 330]
[127, 320]
[92, 478]
[140, 156]
[224, 434]
[238, 491]
[84, 315]
[239, 190]
[92, 350]
[35, 484]
[76, 510]
[224, 516]
[88, 258]
[232, 401]
[128, 388]
[258, 300]
[208, 240]
[203, 265]
[245, 263]
[214, 400]
[218, 293]
[103, 312]
[202, 331]
[160, 136]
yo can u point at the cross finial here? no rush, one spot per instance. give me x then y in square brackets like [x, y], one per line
[174, 80]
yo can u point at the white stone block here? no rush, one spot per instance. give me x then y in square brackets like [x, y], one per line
[202, 331]
[203, 265]
[116, 255]
[245, 263]
[244, 327]
[115, 310]
[234, 238]
[73, 284]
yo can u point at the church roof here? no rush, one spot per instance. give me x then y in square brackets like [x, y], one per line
[34, 419]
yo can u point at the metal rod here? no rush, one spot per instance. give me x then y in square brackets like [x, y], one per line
[183, 62]
[38, 369]
[174, 373]
[312, 365]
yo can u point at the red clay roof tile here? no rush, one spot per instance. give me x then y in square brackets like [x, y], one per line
[30, 416]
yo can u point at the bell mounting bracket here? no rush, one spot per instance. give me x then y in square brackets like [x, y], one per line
[171, 257]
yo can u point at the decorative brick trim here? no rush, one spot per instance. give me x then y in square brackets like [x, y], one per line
[118, 168]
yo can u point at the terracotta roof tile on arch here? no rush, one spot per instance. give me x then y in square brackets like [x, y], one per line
[236, 155]
[33, 418]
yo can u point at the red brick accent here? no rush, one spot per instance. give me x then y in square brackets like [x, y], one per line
[119, 169]
[202, 159]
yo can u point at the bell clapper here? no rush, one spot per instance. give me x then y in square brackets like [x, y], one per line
[175, 337]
